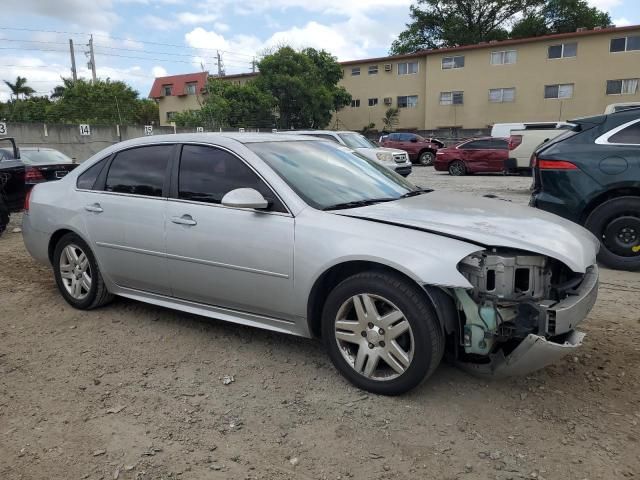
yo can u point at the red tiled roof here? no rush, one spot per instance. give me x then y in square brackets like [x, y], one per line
[178, 83]
[514, 41]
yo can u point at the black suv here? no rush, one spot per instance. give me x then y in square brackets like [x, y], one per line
[12, 181]
[591, 175]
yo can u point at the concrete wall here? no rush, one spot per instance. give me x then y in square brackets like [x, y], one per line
[67, 138]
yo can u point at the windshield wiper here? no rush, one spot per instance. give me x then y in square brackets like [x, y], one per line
[414, 193]
[358, 203]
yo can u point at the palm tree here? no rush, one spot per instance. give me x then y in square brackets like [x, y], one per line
[58, 90]
[391, 119]
[20, 87]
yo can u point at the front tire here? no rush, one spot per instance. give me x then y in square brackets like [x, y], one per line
[381, 332]
[77, 274]
[427, 158]
[457, 168]
[616, 223]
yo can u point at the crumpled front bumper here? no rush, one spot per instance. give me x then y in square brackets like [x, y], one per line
[536, 351]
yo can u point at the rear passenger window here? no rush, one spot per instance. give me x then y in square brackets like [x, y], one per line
[88, 178]
[139, 171]
[207, 174]
[631, 134]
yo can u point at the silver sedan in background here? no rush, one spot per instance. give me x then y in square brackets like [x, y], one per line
[306, 237]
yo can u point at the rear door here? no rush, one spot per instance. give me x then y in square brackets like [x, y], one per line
[125, 213]
[497, 154]
[473, 154]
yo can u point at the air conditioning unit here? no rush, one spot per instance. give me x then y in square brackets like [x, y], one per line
[387, 100]
[388, 67]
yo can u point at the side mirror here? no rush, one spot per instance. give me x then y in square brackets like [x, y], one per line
[245, 198]
[414, 140]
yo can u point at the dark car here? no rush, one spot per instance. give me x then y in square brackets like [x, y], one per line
[12, 185]
[475, 155]
[44, 164]
[421, 150]
[591, 175]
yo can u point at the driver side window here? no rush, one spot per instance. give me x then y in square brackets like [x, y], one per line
[207, 174]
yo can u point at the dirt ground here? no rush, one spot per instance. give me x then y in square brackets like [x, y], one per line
[133, 391]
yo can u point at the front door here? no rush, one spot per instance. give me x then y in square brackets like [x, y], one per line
[235, 258]
[125, 218]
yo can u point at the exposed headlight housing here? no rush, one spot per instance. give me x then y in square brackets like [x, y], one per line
[384, 156]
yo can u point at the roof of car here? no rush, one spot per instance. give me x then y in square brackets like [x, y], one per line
[244, 137]
[311, 132]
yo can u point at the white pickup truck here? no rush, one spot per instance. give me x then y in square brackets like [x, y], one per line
[524, 138]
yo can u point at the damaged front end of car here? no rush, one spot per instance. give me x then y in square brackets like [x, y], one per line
[522, 311]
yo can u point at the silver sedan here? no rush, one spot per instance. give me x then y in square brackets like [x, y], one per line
[305, 237]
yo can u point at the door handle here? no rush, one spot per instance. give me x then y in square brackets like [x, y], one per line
[94, 207]
[184, 220]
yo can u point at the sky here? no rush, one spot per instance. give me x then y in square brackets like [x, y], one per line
[138, 40]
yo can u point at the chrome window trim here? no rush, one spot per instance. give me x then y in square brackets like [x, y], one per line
[205, 144]
[604, 139]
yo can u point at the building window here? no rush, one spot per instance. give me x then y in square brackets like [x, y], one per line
[355, 71]
[564, 50]
[355, 103]
[408, 101]
[452, 62]
[560, 91]
[622, 87]
[171, 116]
[373, 69]
[505, 57]
[624, 44]
[408, 68]
[167, 90]
[451, 98]
[373, 102]
[502, 95]
[190, 88]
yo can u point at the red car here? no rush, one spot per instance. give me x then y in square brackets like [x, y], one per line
[421, 150]
[475, 155]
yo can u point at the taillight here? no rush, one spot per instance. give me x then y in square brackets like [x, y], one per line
[514, 141]
[33, 175]
[27, 200]
[555, 165]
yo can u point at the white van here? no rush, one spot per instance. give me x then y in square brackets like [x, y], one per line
[503, 130]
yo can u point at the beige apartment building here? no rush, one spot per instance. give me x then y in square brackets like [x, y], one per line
[546, 78]
[553, 77]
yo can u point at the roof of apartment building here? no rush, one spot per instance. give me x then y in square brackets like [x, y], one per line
[178, 83]
[494, 44]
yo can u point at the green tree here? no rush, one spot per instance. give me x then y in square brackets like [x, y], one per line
[33, 109]
[100, 102]
[147, 112]
[560, 16]
[450, 23]
[391, 119]
[304, 86]
[20, 87]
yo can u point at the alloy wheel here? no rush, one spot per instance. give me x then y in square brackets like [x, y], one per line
[75, 271]
[427, 159]
[374, 337]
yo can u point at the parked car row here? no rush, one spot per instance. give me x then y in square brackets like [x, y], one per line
[23, 168]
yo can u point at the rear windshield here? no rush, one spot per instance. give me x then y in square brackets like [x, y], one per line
[31, 157]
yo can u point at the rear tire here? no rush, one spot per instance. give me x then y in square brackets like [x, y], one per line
[389, 348]
[77, 274]
[457, 168]
[616, 223]
[4, 216]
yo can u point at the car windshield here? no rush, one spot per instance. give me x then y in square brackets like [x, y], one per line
[31, 157]
[355, 140]
[329, 176]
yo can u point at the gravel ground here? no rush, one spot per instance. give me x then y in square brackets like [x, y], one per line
[133, 391]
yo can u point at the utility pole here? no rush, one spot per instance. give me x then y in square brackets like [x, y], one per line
[221, 72]
[92, 59]
[74, 73]
[253, 65]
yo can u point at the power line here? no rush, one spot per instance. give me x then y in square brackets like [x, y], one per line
[124, 39]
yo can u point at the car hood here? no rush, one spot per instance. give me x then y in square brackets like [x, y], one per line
[489, 223]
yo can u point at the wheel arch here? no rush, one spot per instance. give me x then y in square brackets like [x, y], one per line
[426, 149]
[55, 238]
[442, 303]
[631, 191]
